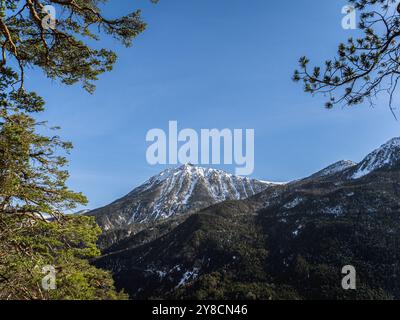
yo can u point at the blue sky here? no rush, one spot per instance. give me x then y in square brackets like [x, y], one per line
[212, 64]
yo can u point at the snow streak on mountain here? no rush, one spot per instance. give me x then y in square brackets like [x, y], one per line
[387, 156]
[174, 192]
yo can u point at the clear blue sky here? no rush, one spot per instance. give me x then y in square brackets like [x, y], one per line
[212, 64]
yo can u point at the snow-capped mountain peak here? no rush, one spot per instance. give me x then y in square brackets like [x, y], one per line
[387, 156]
[190, 172]
[177, 191]
[188, 189]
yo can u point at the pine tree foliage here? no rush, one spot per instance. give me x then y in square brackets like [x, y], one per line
[29, 38]
[35, 231]
[364, 66]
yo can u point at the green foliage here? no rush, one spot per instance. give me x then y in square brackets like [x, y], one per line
[220, 286]
[34, 232]
[32, 175]
[34, 197]
[67, 245]
[363, 67]
[62, 51]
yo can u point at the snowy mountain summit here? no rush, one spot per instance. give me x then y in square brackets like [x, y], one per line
[337, 167]
[176, 191]
[354, 206]
[387, 156]
[189, 189]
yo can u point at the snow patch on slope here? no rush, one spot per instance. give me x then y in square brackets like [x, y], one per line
[335, 168]
[177, 191]
[178, 188]
[385, 156]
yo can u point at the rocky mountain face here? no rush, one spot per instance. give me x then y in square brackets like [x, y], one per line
[286, 242]
[174, 192]
[385, 157]
[337, 167]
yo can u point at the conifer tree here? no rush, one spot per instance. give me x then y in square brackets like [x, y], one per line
[35, 232]
[365, 66]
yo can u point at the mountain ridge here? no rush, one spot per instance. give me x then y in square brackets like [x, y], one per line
[188, 188]
[289, 241]
[176, 191]
[385, 156]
